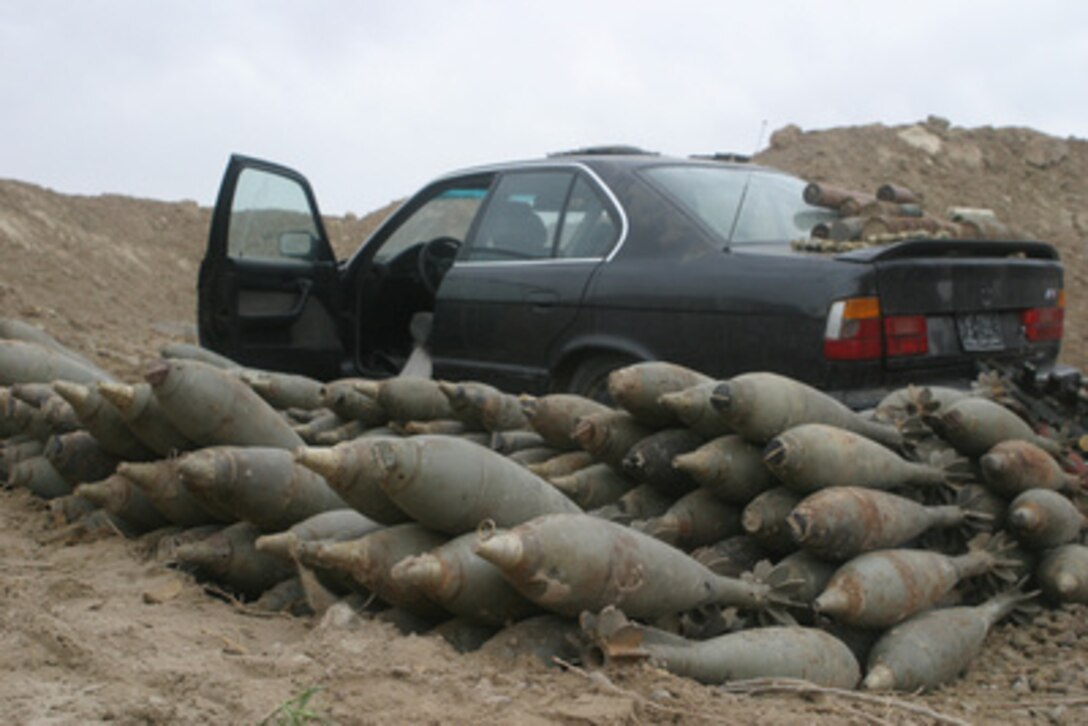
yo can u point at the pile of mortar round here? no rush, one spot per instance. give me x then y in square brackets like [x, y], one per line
[723, 529]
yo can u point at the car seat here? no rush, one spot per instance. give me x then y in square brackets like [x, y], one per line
[514, 227]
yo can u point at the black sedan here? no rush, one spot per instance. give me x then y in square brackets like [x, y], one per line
[547, 274]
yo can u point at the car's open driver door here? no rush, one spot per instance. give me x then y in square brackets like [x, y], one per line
[268, 290]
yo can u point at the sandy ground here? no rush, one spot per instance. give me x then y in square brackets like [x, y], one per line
[101, 630]
[83, 639]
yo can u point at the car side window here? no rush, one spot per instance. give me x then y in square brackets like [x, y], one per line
[588, 228]
[774, 210]
[522, 217]
[449, 213]
[542, 215]
[712, 194]
[271, 219]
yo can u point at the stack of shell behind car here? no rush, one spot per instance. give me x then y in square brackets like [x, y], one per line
[893, 213]
[734, 529]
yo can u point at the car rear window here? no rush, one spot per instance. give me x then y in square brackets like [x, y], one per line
[773, 210]
[741, 205]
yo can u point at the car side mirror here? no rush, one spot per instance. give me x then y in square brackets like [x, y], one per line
[298, 244]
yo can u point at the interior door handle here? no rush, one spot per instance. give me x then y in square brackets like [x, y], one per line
[303, 287]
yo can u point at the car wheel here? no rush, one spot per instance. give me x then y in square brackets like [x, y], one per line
[590, 378]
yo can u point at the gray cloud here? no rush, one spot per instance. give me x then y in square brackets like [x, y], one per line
[370, 100]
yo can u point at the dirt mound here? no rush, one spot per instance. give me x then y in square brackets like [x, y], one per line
[114, 277]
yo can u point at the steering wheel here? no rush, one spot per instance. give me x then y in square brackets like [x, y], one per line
[435, 259]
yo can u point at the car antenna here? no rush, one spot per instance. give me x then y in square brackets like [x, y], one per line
[759, 137]
[747, 183]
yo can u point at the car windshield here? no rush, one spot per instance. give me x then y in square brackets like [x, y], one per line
[741, 205]
[448, 214]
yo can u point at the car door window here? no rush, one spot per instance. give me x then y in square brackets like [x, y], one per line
[271, 218]
[522, 218]
[588, 228]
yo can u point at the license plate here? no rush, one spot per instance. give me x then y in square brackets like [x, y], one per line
[980, 332]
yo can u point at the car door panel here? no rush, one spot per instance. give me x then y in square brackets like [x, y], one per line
[499, 321]
[269, 287]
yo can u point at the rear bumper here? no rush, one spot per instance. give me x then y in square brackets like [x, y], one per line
[962, 377]
[860, 399]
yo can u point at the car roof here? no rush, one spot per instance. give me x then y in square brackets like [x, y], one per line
[618, 158]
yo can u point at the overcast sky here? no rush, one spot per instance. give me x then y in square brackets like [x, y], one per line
[372, 99]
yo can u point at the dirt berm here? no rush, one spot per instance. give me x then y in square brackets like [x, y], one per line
[99, 631]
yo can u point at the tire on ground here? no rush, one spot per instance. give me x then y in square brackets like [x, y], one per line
[590, 377]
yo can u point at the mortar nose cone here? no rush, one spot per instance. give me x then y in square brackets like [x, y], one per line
[992, 463]
[312, 554]
[672, 400]
[157, 372]
[528, 405]
[950, 421]
[665, 528]
[279, 544]
[200, 554]
[566, 484]
[197, 471]
[120, 395]
[721, 398]
[1066, 583]
[751, 520]
[879, 678]
[798, 524]
[139, 474]
[260, 385]
[324, 461]
[635, 461]
[685, 462]
[423, 571]
[385, 456]
[73, 393]
[97, 492]
[831, 602]
[370, 389]
[1024, 519]
[775, 453]
[503, 550]
[100, 492]
[584, 432]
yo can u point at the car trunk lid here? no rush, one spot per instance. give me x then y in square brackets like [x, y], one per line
[946, 301]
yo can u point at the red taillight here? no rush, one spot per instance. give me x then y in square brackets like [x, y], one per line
[857, 331]
[905, 335]
[1043, 323]
[853, 330]
[860, 341]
